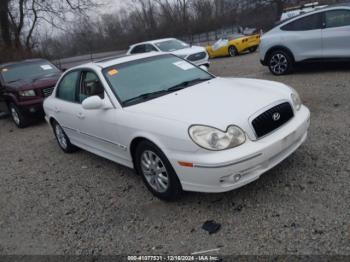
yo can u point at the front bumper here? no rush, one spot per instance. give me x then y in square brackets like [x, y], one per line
[31, 109]
[227, 170]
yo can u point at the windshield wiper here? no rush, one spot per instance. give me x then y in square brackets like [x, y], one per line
[13, 81]
[159, 93]
[188, 83]
[145, 96]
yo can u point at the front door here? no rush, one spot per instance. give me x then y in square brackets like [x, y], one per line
[98, 128]
[305, 37]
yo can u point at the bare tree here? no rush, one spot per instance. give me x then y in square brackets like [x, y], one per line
[20, 18]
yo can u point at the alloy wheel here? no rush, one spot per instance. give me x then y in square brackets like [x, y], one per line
[232, 51]
[61, 137]
[154, 171]
[15, 116]
[279, 63]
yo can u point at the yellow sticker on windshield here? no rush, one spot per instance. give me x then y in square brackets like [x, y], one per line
[4, 70]
[113, 72]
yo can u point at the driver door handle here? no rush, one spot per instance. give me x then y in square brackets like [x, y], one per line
[80, 115]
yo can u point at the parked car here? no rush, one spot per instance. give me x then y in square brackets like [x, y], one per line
[179, 126]
[23, 87]
[195, 54]
[318, 35]
[233, 47]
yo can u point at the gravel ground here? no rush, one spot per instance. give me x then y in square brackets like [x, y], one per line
[53, 203]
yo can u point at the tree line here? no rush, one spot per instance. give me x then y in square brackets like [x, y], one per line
[57, 29]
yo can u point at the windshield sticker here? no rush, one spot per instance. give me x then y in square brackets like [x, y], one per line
[46, 67]
[4, 70]
[113, 72]
[183, 65]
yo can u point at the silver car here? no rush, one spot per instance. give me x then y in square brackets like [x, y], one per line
[319, 35]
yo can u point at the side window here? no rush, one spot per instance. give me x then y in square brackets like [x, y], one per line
[138, 49]
[310, 22]
[90, 85]
[67, 87]
[337, 18]
[150, 48]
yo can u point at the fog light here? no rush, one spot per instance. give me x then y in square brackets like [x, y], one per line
[237, 178]
[231, 179]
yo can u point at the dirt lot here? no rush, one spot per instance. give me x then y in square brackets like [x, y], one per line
[53, 203]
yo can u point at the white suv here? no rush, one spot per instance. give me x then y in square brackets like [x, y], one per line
[319, 35]
[195, 54]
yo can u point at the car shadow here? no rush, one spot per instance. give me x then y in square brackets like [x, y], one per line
[317, 67]
[225, 57]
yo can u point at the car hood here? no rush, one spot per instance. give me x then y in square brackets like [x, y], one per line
[189, 51]
[219, 102]
[38, 83]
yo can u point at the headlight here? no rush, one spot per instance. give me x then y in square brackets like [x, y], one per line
[214, 139]
[27, 93]
[296, 100]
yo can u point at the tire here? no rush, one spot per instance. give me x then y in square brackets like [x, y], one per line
[232, 51]
[157, 172]
[280, 62]
[17, 117]
[62, 139]
[253, 49]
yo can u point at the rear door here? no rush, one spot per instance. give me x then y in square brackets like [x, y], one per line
[336, 34]
[304, 37]
[66, 108]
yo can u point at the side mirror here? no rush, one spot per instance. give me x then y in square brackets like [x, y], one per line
[203, 67]
[93, 103]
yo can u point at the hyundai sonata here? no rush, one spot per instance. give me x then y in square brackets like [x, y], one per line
[178, 126]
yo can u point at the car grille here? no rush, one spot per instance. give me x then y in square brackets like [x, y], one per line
[197, 56]
[47, 91]
[272, 119]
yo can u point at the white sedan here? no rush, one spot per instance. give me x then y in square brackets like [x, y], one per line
[177, 125]
[195, 54]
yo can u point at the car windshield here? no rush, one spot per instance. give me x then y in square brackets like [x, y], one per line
[171, 45]
[144, 79]
[27, 71]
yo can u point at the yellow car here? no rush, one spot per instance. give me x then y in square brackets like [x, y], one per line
[234, 47]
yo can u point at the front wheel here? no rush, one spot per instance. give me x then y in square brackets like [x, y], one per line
[252, 49]
[232, 51]
[280, 63]
[157, 172]
[17, 116]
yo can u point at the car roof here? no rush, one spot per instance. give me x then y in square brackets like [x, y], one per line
[154, 41]
[117, 60]
[328, 7]
[27, 61]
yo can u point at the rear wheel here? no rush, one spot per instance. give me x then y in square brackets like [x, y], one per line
[17, 116]
[62, 139]
[253, 49]
[157, 172]
[232, 51]
[280, 62]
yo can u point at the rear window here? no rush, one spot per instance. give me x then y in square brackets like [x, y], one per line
[310, 22]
